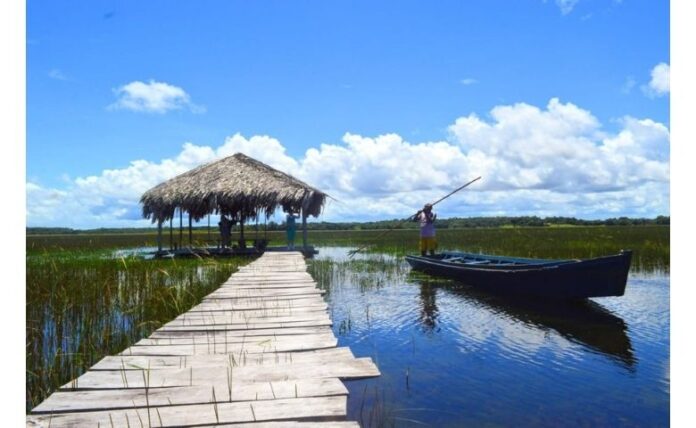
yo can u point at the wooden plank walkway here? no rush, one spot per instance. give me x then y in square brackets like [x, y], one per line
[257, 352]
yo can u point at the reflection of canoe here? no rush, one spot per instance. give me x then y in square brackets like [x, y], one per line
[560, 279]
[584, 322]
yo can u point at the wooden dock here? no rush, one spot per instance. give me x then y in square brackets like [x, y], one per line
[257, 352]
[200, 252]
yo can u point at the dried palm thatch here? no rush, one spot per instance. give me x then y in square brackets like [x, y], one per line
[236, 185]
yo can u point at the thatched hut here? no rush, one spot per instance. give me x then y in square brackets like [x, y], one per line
[238, 186]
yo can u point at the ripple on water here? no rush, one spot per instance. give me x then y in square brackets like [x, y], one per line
[479, 359]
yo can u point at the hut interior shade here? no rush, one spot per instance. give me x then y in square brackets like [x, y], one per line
[236, 185]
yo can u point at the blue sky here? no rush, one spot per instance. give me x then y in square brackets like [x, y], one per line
[562, 106]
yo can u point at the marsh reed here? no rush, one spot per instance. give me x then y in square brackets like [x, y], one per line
[83, 306]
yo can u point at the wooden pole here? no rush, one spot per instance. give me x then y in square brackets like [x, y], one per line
[304, 229]
[190, 231]
[242, 243]
[159, 235]
[171, 232]
[181, 226]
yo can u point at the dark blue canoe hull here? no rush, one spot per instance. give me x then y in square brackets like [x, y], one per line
[555, 279]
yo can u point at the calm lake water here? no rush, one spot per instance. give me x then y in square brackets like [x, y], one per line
[452, 356]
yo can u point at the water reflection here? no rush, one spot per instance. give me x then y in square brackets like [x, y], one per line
[583, 322]
[451, 355]
[429, 311]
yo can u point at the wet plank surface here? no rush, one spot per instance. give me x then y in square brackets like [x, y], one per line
[259, 351]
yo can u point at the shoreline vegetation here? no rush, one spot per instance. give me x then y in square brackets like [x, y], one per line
[650, 243]
[447, 223]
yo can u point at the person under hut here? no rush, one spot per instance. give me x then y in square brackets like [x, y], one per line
[426, 217]
[290, 228]
[225, 225]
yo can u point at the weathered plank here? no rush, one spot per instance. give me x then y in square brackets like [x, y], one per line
[126, 362]
[268, 305]
[217, 335]
[220, 376]
[234, 318]
[255, 293]
[232, 330]
[242, 313]
[285, 300]
[105, 399]
[201, 414]
[264, 346]
[268, 285]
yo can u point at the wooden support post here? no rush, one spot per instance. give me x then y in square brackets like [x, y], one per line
[181, 226]
[171, 232]
[190, 231]
[242, 242]
[304, 229]
[159, 235]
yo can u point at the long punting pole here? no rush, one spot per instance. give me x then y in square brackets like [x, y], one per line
[410, 218]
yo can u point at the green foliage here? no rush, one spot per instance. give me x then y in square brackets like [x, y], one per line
[649, 243]
[83, 306]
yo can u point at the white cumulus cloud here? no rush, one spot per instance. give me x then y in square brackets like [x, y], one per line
[555, 160]
[659, 82]
[152, 97]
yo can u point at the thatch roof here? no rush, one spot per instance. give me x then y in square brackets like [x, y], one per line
[236, 185]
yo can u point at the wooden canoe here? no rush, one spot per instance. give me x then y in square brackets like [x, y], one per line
[558, 279]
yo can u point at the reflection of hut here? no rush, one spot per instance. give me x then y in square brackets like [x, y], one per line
[238, 186]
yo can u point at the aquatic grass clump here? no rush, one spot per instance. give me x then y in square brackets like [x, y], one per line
[369, 271]
[82, 308]
[650, 244]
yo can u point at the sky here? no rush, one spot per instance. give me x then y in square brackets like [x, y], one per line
[562, 106]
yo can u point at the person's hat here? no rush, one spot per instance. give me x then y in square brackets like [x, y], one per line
[427, 206]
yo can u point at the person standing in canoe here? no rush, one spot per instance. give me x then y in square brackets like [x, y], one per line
[290, 227]
[426, 217]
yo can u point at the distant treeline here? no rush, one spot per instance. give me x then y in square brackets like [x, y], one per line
[447, 223]
[461, 223]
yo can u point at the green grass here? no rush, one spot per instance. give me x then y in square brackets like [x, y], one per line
[83, 306]
[649, 243]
